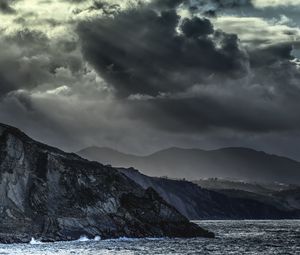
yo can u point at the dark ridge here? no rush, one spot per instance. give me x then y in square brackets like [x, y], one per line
[198, 203]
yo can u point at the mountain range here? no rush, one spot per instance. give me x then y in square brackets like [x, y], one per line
[193, 164]
[262, 196]
[198, 203]
[51, 195]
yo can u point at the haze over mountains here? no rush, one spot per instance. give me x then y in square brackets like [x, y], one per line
[38, 181]
[193, 164]
[269, 189]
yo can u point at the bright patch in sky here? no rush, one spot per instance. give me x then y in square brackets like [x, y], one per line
[275, 3]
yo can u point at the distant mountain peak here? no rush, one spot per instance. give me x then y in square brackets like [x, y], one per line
[230, 162]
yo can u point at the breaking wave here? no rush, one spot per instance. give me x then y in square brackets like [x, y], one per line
[34, 241]
[86, 239]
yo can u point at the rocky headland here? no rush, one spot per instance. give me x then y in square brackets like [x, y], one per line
[51, 195]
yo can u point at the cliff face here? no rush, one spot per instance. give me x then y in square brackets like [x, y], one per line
[51, 195]
[197, 203]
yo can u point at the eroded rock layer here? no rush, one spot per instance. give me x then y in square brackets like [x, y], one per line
[51, 195]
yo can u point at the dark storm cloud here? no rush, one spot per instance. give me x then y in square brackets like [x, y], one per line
[195, 80]
[196, 27]
[271, 54]
[169, 4]
[140, 52]
[203, 113]
[212, 7]
[202, 4]
[275, 67]
[5, 7]
[30, 60]
[264, 102]
[232, 3]
[19, 68]
[179, 80]
[5, 85]
[206, 7]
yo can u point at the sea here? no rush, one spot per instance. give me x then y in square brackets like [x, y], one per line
[232, 237]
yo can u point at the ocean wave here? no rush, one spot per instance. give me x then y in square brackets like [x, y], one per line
[86, 239]
[132, 239]
[82, 238]
[34, 241]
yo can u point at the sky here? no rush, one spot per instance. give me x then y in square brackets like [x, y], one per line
[143, 75]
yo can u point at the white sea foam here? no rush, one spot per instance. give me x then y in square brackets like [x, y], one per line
[233, 237]
[130, 239]
[33, 241]
[86, 239]
[83, 239]
[97, 238]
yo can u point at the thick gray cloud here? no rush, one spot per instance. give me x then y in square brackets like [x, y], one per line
[32, 60]
[5, 7]
[16, 71]
[214, 7]
[185, 76]
[270, 55]
[140, 76]
[141, 52]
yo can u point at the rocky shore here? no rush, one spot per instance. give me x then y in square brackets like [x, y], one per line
[51, 195]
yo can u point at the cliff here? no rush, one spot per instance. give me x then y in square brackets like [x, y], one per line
[51, 195]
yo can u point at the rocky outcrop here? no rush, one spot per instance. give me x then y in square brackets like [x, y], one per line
[51, 195]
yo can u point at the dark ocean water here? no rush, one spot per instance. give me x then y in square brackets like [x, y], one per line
[232, 237]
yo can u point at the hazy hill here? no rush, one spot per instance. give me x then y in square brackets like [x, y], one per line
[254, 187]
[198, 203]
[289, 197]
[193, 164]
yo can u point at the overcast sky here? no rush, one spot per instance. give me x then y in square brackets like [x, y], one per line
[139, 76]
